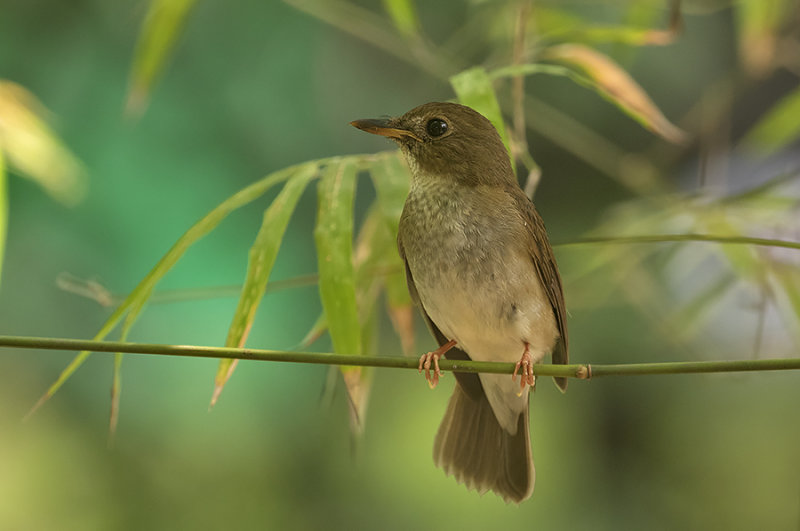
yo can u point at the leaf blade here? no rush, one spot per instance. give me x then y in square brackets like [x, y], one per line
[333, 235]
[160, 30]
[143, 290]
[778, 127]
[262, 258]
[617, 86]
[33, 149]
[473, 87]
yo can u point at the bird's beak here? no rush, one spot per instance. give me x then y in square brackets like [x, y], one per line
[384, 127]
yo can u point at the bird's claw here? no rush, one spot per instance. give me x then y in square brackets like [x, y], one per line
[425, 363]
[526, 374]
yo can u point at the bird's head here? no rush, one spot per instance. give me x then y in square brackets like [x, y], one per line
[446, 140]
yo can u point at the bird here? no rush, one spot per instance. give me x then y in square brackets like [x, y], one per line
[481, 269]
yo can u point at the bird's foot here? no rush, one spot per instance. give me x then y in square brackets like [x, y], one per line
[525, 363]
[426, 359]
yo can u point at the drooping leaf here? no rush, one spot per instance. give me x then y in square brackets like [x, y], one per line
[116, 390]
[333, 235]
[116, 383]
[32, 149]
[359, 383]
[392, 180]
[474, 89]
[160, 31]
[145, 287]
[317, 329]
[616, 85]
[378, 265]
[778, 127]
[262, 257]
[404, 16]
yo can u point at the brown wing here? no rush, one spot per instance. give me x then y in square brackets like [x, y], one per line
[471, 383]
[545, 263]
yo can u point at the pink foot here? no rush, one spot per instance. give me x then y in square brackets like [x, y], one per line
[526, 374]
[425, 363]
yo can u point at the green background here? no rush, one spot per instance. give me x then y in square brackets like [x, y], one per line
[254, 87]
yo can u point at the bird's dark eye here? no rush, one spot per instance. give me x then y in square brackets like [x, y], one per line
[436, 127]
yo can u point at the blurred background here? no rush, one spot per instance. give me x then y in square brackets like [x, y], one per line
[253, 87]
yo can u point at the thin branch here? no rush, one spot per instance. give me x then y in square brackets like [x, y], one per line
[581, 371]
[658, 238]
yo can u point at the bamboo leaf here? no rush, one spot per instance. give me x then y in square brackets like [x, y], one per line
[617, 86]
[474, 89]
[317, 329]
[145, 287]
[359, 383]
[392, 180]
[334, 239]
[116, 384]
[32, 149]
[378, 264]
[404, 16]
[778, 127]
[160, 30]
[262, 257]
[333, 235]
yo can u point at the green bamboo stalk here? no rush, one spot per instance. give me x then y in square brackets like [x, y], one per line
[660, 238]
[581, 371]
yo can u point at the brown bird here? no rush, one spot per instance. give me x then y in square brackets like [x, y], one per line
[481, 269]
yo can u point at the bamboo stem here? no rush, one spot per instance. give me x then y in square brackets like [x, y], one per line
[580, 371]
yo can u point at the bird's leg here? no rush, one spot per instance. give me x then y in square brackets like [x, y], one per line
[425, 363]
[526, 364]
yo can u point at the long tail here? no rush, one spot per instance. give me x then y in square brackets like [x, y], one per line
[471, 446]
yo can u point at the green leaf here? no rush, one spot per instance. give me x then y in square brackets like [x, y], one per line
[3, 210]
[160, 30]
[334, 239]
[404, 16]
[474, 89]
[617, 86]
[116, 384]
[262, 258]
[378, 264]
[392, 180]
[317, 329]
[143, 291]
[778, 128]
[32, 148]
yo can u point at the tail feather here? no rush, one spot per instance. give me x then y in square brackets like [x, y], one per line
[471, 446]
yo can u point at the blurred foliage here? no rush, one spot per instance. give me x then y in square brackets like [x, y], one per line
[263, 87]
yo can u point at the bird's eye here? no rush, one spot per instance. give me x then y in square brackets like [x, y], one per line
[436, 127]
